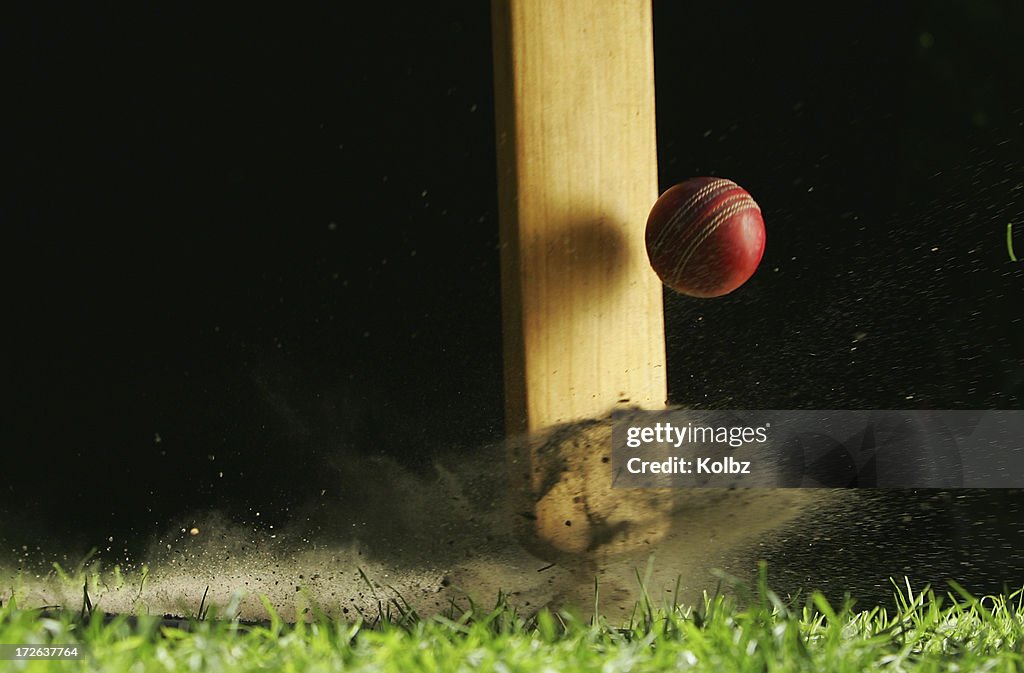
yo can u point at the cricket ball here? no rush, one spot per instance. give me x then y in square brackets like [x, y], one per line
[705, 237]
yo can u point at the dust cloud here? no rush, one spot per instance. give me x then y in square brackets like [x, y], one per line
[390, 539]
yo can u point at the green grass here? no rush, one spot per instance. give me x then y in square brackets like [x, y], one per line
[922, 631]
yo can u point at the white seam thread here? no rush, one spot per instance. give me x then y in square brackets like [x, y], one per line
[724, 211]
[709, 190]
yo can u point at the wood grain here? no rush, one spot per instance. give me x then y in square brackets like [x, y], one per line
[577, 169]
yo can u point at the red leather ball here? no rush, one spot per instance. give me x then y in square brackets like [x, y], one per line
[705, 237]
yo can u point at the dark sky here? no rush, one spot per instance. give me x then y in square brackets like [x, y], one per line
[239, 242]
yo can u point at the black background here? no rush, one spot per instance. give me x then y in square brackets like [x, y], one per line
[239, 243]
